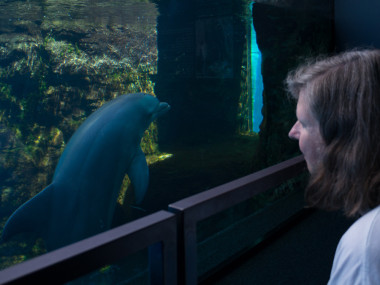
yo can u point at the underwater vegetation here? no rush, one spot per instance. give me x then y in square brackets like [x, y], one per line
[55, 70]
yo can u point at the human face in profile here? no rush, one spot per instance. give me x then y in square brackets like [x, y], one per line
[306, 131]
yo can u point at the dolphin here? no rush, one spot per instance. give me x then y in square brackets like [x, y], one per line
[81, 199]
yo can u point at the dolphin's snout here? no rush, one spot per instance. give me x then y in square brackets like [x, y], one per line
[161, 109]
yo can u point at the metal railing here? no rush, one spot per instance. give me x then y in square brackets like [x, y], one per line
[171, 236]
[203, 205]
[75, 260]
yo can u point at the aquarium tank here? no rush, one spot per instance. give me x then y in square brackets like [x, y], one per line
[219, 65]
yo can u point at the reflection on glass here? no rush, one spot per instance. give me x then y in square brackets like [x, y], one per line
[132, 270]
[236, 230]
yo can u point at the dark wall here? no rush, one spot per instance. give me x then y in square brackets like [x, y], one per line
[203, 92]
[286, 35]
[357, 23]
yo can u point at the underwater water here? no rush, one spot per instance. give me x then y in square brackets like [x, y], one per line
[218, 64]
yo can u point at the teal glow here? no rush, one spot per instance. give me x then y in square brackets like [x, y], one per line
[257, 85]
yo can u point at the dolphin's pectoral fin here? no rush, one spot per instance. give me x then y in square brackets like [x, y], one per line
[32, 216]
[139, 175]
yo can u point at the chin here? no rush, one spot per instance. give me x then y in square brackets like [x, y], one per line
[310, 167]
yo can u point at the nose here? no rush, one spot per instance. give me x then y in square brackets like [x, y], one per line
[294, 131]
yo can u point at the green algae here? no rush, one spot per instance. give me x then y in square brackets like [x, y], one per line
[53, 75]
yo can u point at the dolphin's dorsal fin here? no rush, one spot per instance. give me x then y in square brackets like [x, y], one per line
[32, 216]
[139, 175]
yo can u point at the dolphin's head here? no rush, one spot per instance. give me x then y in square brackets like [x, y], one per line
[161, 108]
[144, 108]
[153, 107]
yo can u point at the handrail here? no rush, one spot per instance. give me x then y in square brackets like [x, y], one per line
[174, 260]
[82, 257]
[205, 204]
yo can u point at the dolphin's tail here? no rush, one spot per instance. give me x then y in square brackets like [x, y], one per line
[32, 216]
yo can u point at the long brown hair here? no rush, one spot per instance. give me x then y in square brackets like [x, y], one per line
[344, 96]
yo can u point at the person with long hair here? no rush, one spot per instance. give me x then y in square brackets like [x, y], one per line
[338, 129]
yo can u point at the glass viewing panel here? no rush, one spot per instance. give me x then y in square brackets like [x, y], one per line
[240, 228]
[131, 270]
[219, 64]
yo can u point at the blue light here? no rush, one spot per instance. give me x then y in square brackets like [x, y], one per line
[257, 85]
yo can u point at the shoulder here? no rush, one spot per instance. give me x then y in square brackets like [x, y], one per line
[357, 254]
[361, 233]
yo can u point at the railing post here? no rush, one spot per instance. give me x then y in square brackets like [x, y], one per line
[190, 247]
[156, 267]
[187, 249]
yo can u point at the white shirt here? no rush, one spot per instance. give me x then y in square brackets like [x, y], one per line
[357, 258]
